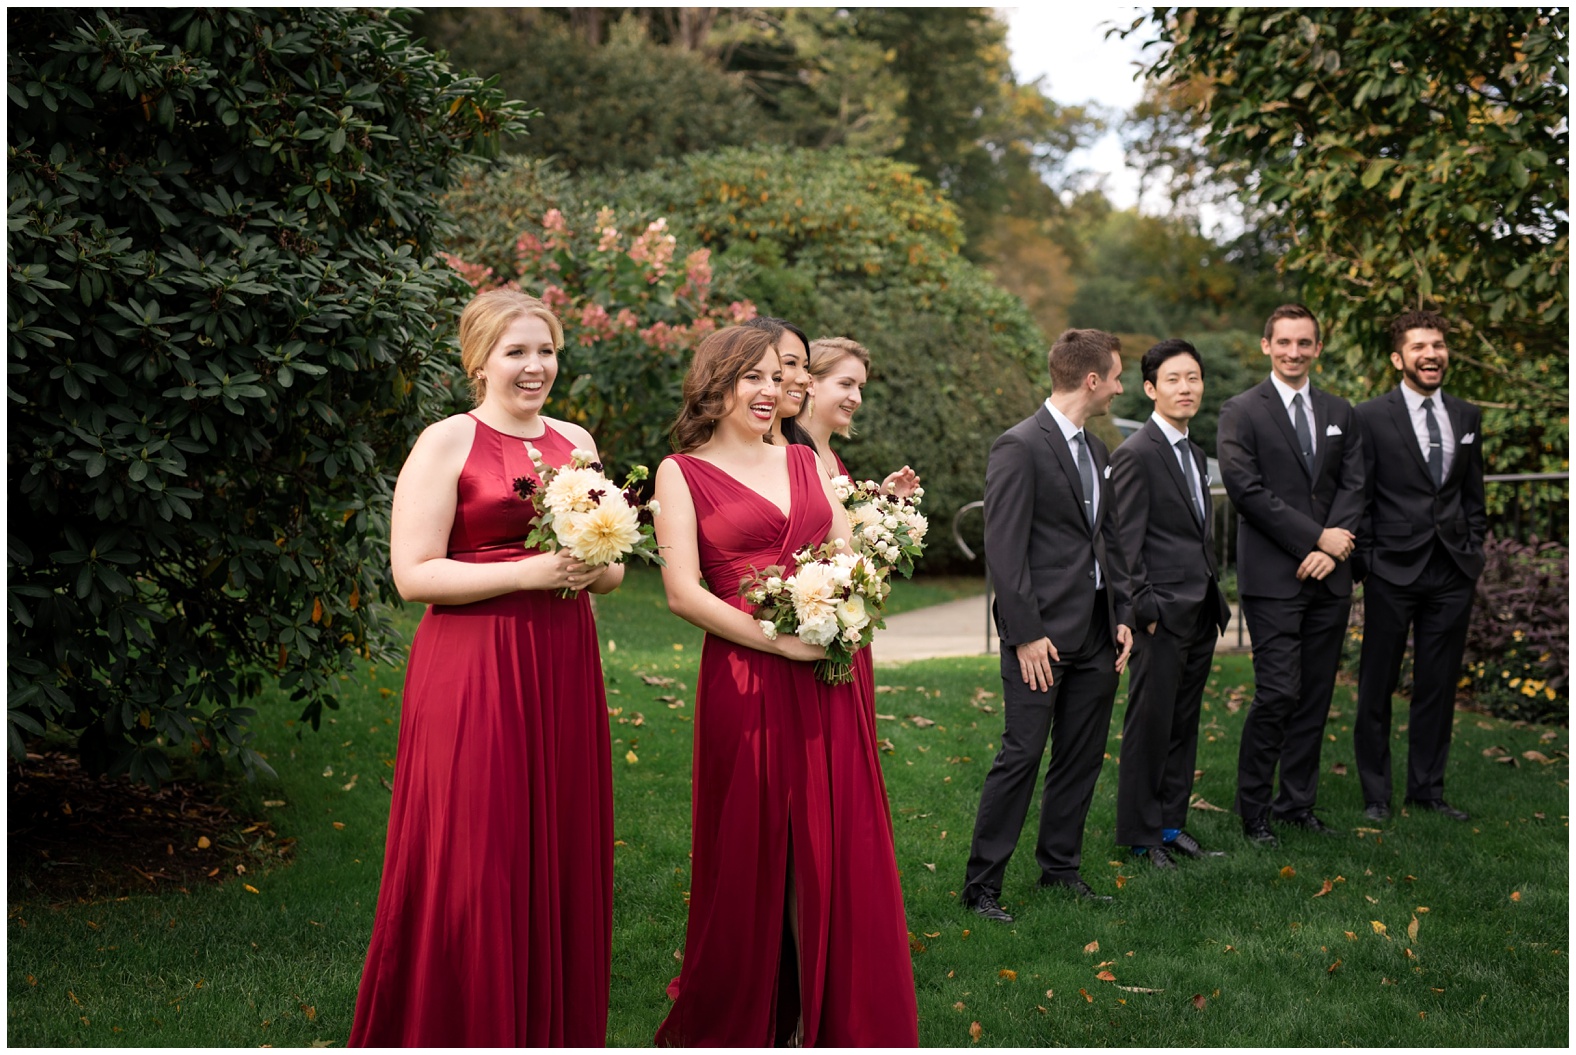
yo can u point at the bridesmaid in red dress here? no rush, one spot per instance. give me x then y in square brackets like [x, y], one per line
[494, 918]
[796, 929]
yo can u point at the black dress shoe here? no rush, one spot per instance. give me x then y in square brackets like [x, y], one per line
[1441, 807]
[1157, 857]
[987, 906]
[1257, 830]
[1078, 887]
[1188, 846]
[1377, 811]
[1307, 821]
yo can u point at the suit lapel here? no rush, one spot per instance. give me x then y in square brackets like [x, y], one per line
[1064, 457]
[1168, 457]
[1201, 465]
[1395, 407]
[1321, 425]
[1456, 410]
[1277, 412]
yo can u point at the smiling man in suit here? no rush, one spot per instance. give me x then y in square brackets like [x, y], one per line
[1421, 543]
[1163, 520]
[1062, 617]
[1291, 458]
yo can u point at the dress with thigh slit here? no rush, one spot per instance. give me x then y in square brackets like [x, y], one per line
[786, 774]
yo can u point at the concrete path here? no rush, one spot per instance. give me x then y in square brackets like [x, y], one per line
[961, 628]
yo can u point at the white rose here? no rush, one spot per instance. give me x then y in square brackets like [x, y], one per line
[655, 509]
[769, 628]
[851, 635]
[774, 584]
[821, 632]
[851, 613]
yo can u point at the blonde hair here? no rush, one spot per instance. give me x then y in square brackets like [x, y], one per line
[482, 325]
[826, 353]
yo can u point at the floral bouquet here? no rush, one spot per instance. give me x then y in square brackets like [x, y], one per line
[887, 529]
[833, 599]
[579, 509]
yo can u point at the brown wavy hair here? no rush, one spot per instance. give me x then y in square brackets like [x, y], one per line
[719, 362]
[482, 325]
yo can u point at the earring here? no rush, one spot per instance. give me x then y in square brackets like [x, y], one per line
[809, 405]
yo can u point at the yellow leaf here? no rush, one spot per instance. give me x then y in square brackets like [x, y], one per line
[339, 826]
[1085, 994]
[631, 757]
[1093, 946]
[250, 889]
[317, 610]
[1515, 895]
[1411, 929]
[1350, 936]
[1010, 975]
[958, 1006]
[1379, 928]
[1331, 969]
[355, 598]
[1121, 881]
[309, 1012]
[203, 843]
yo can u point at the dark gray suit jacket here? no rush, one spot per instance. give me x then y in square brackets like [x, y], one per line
[1282, 508]
[1039, 546]
[1404, 512]
[1169, 555]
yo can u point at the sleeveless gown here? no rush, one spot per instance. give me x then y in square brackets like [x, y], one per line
[494, 919]
[787, 774]
[864, 661]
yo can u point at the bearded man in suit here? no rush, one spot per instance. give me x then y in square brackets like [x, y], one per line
[1292, 462]
[1062, 617]
[1421, 545]
[1163, 517]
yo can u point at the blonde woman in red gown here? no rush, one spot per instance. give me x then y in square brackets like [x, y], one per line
[494, 918]
[796, 930]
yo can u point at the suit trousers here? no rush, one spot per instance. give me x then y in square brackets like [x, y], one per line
[1160, 733]
[1075, 713]
[1296, 651]
[1437, 607]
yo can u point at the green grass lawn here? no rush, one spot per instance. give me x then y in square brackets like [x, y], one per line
[1238, 951]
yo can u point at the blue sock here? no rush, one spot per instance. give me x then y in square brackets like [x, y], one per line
[1169, 835]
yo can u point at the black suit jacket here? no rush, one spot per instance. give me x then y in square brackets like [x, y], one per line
[1404, 512]
[1168, 554]
[1281, 507]
[1039, 547]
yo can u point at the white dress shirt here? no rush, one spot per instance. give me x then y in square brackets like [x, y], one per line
[1286, 392]
[1069, 430]
[1414, 408]
[1172, 438]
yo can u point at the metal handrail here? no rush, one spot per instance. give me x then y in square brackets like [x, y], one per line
[957, 538]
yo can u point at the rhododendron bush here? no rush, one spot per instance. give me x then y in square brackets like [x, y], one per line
[632, 307]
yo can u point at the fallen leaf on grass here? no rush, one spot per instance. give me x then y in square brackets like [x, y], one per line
[1537, 756]
[1422, 908]
[1325, 888]
[958, 1006]
[1198, 803]
[1411, 929]
[1339, 769]
[339, 825]
[1379, 928]
[309, 1012]
[1199, 1001]
[1042, 1009]
[250, 889]
[1350, 936]
[1121, 881]
[1506, 760]
[273, 803]
[886, 717]
[975, 1032]
[657, 680]
[1103, 963]
[1106, 976]
[928, 934]
[1007, 973]
[1515, 895]
[921, 722]
[1287, 872]
[203, 843]
[1492, 750]
[1093, 946]
[1331, 969]
[631, 757]
[1408, 953]
[322, 1043]
[352, 782]
[1085, 994]
[1049, 993]
[930, 865]
[1231, 948]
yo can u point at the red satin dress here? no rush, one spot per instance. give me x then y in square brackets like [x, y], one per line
[787, 775]
[494, 920]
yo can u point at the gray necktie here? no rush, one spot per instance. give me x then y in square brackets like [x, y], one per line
[1304, 433]
[1192, 479]
[1436, 446]
[1085, 475]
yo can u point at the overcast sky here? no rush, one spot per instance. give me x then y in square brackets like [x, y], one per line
[1068, 46]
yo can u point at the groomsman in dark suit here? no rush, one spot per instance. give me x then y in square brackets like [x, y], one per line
[1163, 520]
[1421, 544]
[1291, 457]
[1064, 622]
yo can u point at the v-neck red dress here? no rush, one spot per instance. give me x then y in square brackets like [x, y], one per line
[495, 916]
[787, 775]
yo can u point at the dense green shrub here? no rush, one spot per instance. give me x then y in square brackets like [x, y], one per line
[842, 245]
[224, 312]
[1518, 648]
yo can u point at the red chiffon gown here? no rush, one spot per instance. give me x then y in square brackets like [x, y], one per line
[787, 776]
[494, 920]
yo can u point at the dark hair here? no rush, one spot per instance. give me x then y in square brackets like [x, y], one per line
[1418, 319]
[793, 432]
[1079, 353]
[719, 362]
[1149, 365]
[1290, 311]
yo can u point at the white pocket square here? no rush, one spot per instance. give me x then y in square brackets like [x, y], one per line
[1333, 430]
[1107, 472]
[1470, 437]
